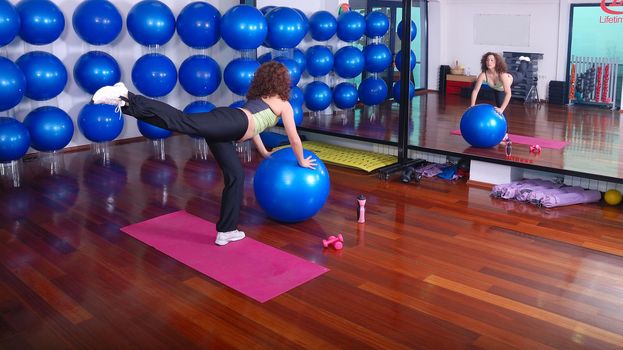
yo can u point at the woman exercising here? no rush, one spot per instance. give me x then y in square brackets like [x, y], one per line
[267, 101]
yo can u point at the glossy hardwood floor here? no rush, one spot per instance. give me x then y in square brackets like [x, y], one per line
[595, 148]
[437, 265]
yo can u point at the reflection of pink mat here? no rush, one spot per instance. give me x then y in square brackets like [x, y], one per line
[528, 140]
[255, 269]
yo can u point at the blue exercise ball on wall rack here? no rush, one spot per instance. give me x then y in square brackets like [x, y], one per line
[200, 75]
[9, 22]
[351, 26]
[12, 84]
[154, 75]
[14, 139]
[317, 95]
[348, 62]
[372, 91]
[377, 24]
[345, 95]
[413, 30]
[296, 96]
[42, 22]
[286, 28]
[152, 132]
[396, 90]
[243, 27]
[238, 104]
[50, 128]
[319, 60]
[100, 122]
[412, 59]
[239, 73]
[299, 57]
[151, 23]
[322, 25]
[96, 69]
[199, 25]
[45, 74]
[293, 69]
[378, 57]
[98, 22]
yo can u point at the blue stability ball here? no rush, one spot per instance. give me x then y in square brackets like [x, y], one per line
[296, 96]
[377, 57]
[96, 69]
[348, 62]
[199, 25]
[345, 95]
[396, 90]
[350, 26]
[317, 96]
[413, 30]
[243, 27]
[372, 91]
[265, 58]
[305, 20]
[293, 69]
[100, 122]
[200, 75]
[322, 26]
[286, 28]
[238, 104]
[50, 128]
[482, 126]
[152, 132]
[299, 57]
[9, 22]
[42, 21]
[412, 59]
[377, 24]
[98, 22]
[239, 74]
[154, 75]
[288, 192]
[14, 139]
[319, 60]
[45, 74]
[150, 23]
[12, 84]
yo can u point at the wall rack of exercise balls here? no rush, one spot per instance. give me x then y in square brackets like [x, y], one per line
[41, 76]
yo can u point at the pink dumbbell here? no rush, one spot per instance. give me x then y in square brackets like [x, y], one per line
[535, 149]
[335, 241]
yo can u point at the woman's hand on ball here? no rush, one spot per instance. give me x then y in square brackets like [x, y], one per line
[308, 162]
[499, 110]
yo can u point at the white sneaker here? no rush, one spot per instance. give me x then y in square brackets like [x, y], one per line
[524, 58]
[111, 95]
[223, 238]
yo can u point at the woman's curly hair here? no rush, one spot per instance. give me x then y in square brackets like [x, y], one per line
[272, 78]
[500, 65]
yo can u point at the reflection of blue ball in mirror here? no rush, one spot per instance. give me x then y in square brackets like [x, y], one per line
[482, 126]
[14, 139]
[154, 75]
[319, 60]
[151, 23]
[396, 90]
[322, 25]
[345, 95]
[42, 21]
[18, 202]
[377, 24]
[45, 74]
[412, 60]
[317, 96]
[50, 128]
[200, 75]
[293, 69]
[238, 104]
[61, 191]
[9, 23]
[372, 91]
[159, 173]
[104, 178]
[296, 96]
[100, 122]
[199, 25]
[152, 132]
[348, 62]
[377, 57]
[350, 26]
[96, 69]
[97, 22]
[243, 27]
[238, 75]
[286, 28]
[413, 30]
[12, 84]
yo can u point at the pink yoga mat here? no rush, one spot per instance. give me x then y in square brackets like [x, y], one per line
[528, 140]
[255, 269]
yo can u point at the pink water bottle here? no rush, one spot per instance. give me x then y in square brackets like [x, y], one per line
[361, 209]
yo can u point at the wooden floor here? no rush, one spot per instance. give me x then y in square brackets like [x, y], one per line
[437, 265]
[594, 134]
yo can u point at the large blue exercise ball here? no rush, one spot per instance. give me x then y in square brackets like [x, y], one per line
[243, 27]
[396, 90]
[372, 91]
[348, 62]
[299, 57]
[305, 19]
[9, 23]
[345, 95]
[96, 69]
[152, 132]
[296, 96]
[239, 74]
[42, 21]
[286, 28]
[412, 60]
[98, 22]
[14, 139]
[413, 30]
[100, 122]
[265, 58]
[154, 75]
[12, 84]
[319, 60]
[378, 57]
[482, 126]
[151, 23]
[200, 75]
[322, 25]
[292, 67]
[50, 128]
[199, 25]
[45, 74]
[377, 24]
[350, 26]
[288, 192]
[317, 96]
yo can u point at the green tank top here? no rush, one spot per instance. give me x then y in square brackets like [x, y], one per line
[263, 116]
[499, 86]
